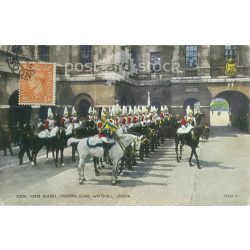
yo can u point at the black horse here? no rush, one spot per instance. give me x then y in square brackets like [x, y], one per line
[206, 132]
[56, 144]
[200, 120]
[199, 117]
[190, 139]
[60, 144]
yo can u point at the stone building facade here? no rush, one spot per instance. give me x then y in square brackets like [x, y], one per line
[102, 75]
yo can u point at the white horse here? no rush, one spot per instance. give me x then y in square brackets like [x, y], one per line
[86, 149]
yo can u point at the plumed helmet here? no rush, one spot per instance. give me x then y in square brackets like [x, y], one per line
[90, 110]
[190, 112]
[74, 112]
[50, 114]
[65, 112]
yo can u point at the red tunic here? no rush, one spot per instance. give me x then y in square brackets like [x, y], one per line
[183, 121]
[135, 120]
[62, 122]
[46, 125]
[123, 121]
[99, 124]
[102, 135]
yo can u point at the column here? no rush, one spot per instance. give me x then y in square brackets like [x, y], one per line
[204, 60]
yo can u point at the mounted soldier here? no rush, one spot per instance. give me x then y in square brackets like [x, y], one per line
[190, 117]
[107, 135]
[65, 121]
[74, 120]
[40, 125]
[50, 122]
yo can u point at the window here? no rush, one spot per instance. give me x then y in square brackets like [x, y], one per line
[16, 49]
[230, 52]
[86, 55]
[43, 51]
[133, 53]
[191, 56]
[155, 61]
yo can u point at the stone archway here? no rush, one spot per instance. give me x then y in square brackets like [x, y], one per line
[124, 101]
[192, 102]
[82, 102]
[18, 113]
[132, 102]
[156, 103]
[239, 108]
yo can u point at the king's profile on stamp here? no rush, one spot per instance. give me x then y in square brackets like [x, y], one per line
[39, 88]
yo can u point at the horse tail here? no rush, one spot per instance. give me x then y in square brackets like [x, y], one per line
[72, 140]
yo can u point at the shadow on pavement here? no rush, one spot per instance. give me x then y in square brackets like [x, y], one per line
[213, 164]
[225, 131]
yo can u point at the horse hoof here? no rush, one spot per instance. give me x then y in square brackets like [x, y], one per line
[199, 167]
[97, 173]
[32, 164]
[63, 165]
[113, 182]
[82, 181]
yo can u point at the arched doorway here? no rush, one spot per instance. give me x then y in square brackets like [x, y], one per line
[238, 108]
[132, 102]
[18, 113]
[220, 112]
[156, 103]
[192, 102]
[82, 103]
[124, 101]
[83, 108]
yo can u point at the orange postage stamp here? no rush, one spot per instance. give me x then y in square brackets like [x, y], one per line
[37, 84]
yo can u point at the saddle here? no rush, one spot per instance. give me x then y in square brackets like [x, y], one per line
[95, 141]
[184, 131]
[184, 135]
[48, 134]
[69, 129]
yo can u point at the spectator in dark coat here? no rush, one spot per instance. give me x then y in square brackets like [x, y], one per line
[6, 140]
[25, 144]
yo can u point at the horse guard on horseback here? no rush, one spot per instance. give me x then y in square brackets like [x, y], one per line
[189, 134]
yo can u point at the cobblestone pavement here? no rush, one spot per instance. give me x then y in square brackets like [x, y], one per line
[159, 180]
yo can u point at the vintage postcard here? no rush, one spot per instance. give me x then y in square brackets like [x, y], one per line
[124, 125]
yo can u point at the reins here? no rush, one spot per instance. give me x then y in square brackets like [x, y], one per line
[122, 145]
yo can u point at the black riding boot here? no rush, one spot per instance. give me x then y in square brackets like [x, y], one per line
[20, 161]
[106, 151]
